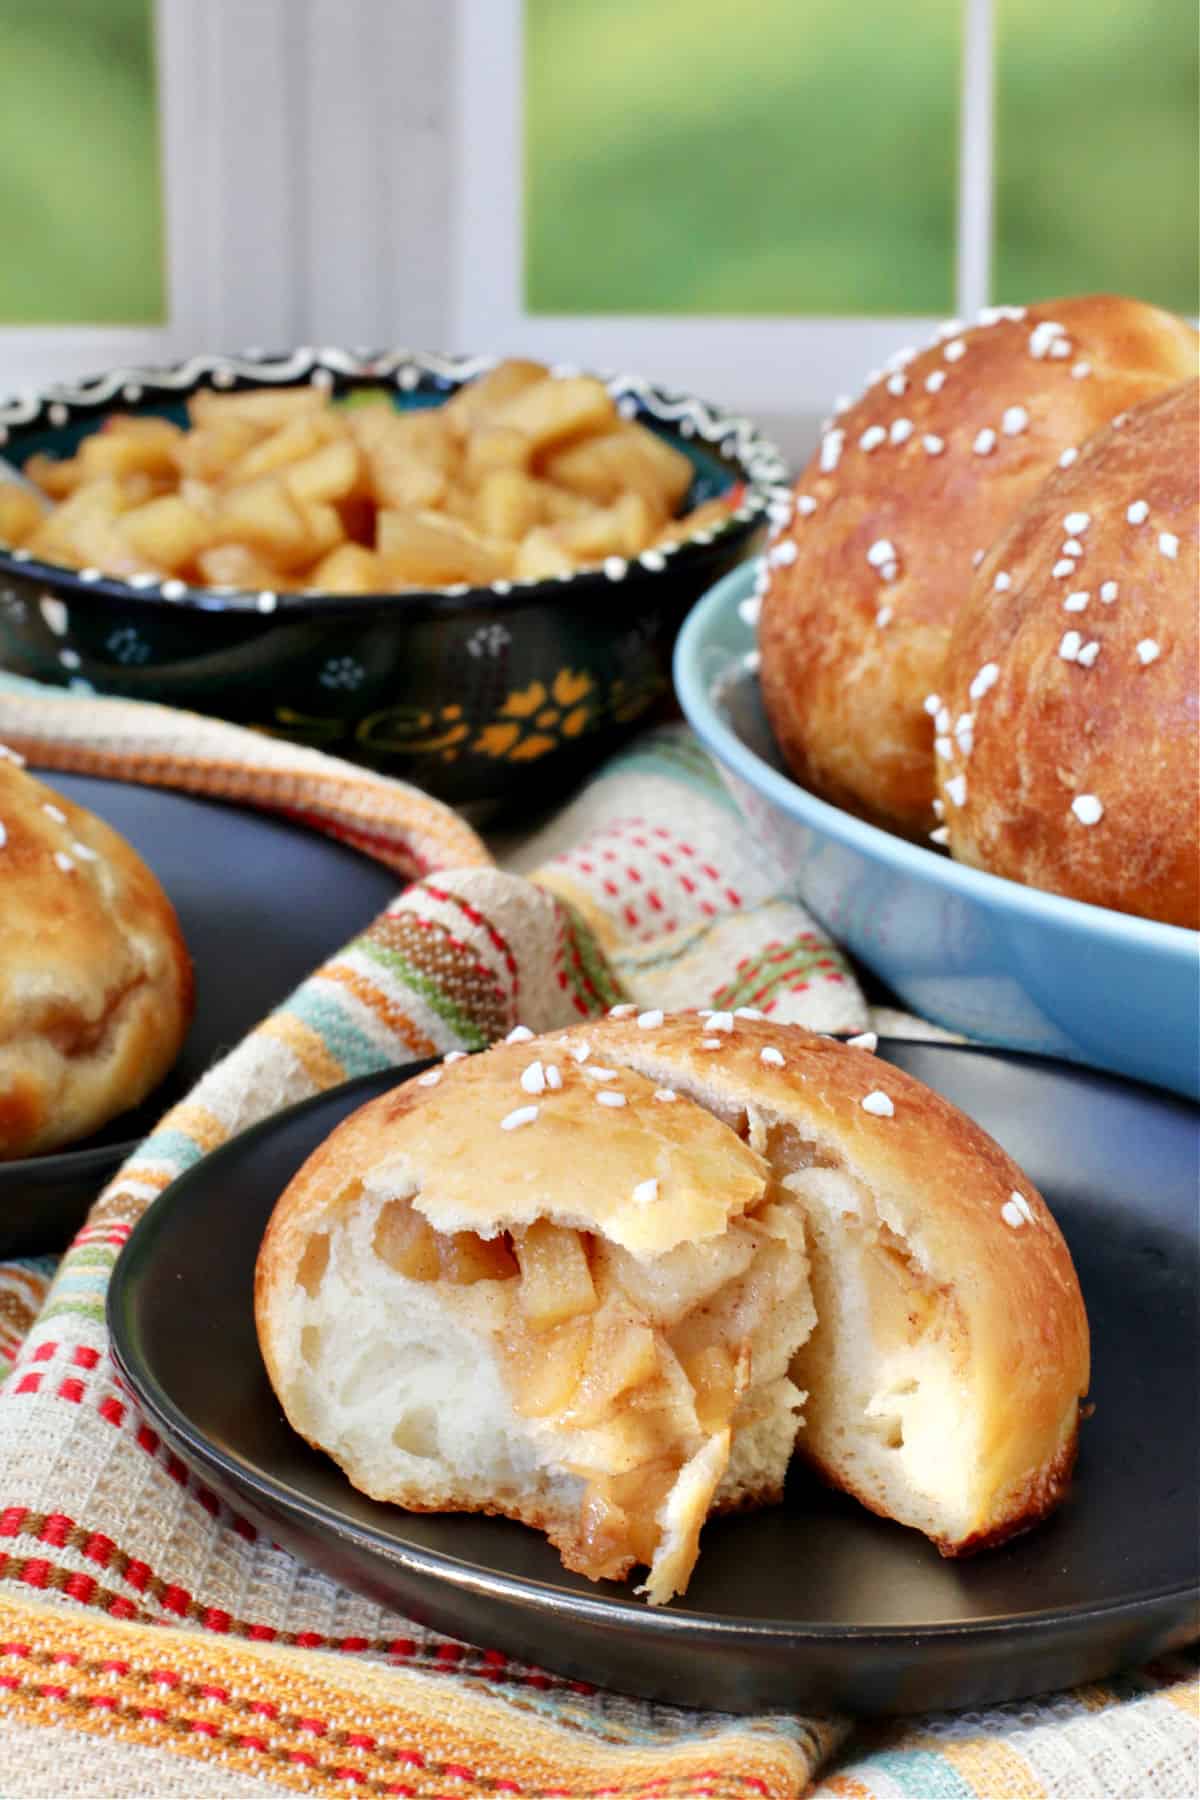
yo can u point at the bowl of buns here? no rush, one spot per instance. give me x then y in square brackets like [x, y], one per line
[960, 693]
[465, 572]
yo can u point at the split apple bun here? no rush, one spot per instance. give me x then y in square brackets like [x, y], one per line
[609, 1280]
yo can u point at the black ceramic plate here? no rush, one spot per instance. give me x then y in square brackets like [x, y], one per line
[261, 902]
[815, 1604]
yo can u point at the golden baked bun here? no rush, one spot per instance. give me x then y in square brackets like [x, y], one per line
[909, 489]
[1067, 747]
[572, 1281]
[95, 981]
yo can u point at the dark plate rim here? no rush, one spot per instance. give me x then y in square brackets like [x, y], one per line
[666, 1623]
[56, 1164]
[731, 437]
[693, 688]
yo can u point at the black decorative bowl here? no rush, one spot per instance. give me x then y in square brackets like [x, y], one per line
[480, 695]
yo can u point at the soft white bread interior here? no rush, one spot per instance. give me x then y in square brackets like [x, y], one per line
[600, 1318]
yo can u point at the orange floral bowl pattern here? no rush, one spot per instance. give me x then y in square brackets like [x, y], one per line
[532, 721]
[493, 698]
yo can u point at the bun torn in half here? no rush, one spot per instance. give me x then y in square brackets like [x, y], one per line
[591, 1280]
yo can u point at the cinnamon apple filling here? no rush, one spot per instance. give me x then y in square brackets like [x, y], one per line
[633, 1365]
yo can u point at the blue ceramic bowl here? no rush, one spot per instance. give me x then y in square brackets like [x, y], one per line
[493, 697]
[1003, 963]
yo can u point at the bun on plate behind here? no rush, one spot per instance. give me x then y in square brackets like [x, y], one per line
[910, 487]
[572, 1280]
[1067, 714]
[95, 981]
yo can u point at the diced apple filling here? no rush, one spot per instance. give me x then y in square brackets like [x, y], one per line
[556, 1282]
[588, 1341]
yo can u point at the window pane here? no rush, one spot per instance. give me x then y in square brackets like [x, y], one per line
[1096, 150]
[80, 195]
[695, 156]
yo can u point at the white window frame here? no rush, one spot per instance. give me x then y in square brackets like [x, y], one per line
[307, 185]
[763, 365]
[31, 355]
[350, 172]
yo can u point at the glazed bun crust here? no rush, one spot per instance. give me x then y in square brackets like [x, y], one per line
[95, 980]
[1065, 729]
[910, 485]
